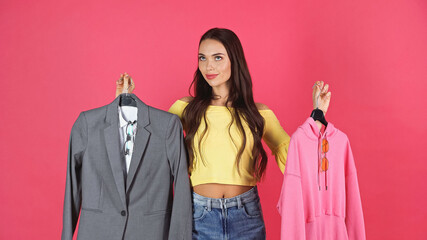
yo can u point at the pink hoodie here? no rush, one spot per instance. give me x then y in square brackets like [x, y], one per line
[316, 204]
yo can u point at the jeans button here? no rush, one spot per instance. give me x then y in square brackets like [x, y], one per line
[123, 213]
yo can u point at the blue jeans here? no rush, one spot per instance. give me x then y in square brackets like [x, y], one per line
[234, 218]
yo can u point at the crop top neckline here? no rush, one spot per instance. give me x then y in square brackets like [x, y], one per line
[219, 107]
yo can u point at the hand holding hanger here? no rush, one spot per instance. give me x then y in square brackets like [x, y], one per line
[321, 100]
[321, 96]
[124, 85]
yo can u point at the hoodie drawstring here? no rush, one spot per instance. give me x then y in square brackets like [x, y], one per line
[327, 163]
[318, 162]
[320, 143]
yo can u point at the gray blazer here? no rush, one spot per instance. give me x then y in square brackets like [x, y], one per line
[153, 202]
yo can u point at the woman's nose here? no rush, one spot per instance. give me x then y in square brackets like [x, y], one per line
[209, 66]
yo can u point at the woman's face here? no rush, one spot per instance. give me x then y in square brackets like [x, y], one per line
[214, 63]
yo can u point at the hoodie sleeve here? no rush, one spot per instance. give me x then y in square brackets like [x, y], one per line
[354, 214]
[181, 219]
[73, 189]
[290, 205]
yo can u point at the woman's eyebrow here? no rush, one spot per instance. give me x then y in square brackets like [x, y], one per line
[215, 54]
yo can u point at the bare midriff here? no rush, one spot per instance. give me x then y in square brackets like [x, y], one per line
[216, 190]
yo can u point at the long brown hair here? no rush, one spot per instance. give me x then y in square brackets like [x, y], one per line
[240, 98]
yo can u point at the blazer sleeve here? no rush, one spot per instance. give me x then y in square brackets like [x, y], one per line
[181, 219]
[72, 199]
[354, 213]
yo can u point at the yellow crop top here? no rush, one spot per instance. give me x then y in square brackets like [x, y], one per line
[219, 151]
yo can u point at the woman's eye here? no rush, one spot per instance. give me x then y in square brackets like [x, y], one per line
[201, 58]
[218, 58]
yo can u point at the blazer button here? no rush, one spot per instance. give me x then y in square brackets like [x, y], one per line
[123, 213]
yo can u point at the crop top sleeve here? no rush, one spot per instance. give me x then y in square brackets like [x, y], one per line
[178, 108]
[276, 138]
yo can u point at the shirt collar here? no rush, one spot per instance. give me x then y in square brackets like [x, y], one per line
[132, 113]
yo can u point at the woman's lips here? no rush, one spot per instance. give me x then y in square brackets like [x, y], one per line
[211, 76]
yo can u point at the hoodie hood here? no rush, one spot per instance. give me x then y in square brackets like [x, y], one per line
[312, 131]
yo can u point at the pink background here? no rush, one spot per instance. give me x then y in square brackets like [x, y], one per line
[58, 58]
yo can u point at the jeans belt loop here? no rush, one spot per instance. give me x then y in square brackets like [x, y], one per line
[239, 203]
[209, 205]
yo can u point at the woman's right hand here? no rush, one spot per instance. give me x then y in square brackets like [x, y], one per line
[124, 85]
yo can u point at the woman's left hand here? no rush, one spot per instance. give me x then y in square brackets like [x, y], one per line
[124, 85]
[321, 96]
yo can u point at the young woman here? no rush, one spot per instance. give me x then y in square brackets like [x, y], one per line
[224, 128]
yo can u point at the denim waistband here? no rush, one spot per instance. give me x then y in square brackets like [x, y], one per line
[238, 200]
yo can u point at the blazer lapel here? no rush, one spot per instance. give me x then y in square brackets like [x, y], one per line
[112, 141]
[141, 139]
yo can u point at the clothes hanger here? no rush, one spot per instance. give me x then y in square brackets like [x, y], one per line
[317, 114]
[126, 99]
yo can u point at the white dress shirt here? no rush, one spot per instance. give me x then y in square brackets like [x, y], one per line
[126, 114]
